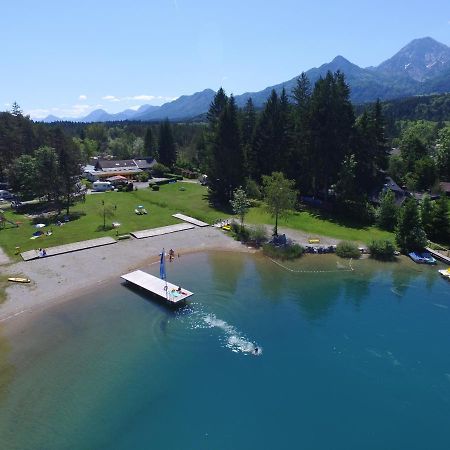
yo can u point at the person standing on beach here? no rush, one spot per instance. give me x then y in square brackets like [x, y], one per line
[171, 255]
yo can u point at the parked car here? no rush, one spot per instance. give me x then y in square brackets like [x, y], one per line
[5, 195]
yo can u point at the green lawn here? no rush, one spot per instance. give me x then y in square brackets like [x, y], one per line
[172, 198]
[160, 206]
[315, 225]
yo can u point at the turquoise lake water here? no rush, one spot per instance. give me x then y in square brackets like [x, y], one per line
[349, 360]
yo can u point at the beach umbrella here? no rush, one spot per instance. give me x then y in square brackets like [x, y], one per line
[40, 225]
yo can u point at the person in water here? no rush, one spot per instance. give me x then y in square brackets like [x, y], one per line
[256, 351]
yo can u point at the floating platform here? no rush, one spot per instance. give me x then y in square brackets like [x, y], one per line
[189, 219]
[165, 291]
[152, 232]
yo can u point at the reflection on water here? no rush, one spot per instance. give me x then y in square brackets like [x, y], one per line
[7, 370]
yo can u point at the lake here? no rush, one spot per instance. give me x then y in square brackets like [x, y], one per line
[347, 359]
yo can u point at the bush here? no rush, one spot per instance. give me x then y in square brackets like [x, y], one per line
[159, 169]
[258, 235]
[347, 249]
[143, 176]
[253, 189]
[155, 187]
[286, 252]
[382, 249]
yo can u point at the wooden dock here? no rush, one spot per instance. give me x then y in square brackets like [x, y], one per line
[438, 255]
[152, 232]
[68, 248]
[189, 219]
[165, 291]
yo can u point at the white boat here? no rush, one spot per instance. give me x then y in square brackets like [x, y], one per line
[445, 273]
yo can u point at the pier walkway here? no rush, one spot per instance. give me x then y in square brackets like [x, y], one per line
[438, 255]
[68, 248]
[165, 290]
[162, 230]
[192, 220]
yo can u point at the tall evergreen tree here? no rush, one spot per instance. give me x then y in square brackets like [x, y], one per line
[226, 165]
[167, 152]
[69, 164]
[148, 143]
[440, 224]
[409, 234]
[387, 212]
[426, 214]
[217, 107]
[272, 139]
[300, 161]
[248, 125]
[331, 126]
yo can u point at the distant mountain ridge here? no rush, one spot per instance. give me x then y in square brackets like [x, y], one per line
[421, 67]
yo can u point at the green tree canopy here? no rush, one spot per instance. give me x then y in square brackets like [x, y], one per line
[409, 234]
[279, 194]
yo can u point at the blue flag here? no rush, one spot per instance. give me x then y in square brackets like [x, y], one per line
[162, 266]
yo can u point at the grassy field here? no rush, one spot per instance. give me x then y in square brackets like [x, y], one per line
[187, 198]
[315, 225]
[160, 206]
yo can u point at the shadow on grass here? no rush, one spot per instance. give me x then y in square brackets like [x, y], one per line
[338, 218]
[52, 217]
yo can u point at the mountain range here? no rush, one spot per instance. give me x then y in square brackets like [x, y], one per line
[421, 67]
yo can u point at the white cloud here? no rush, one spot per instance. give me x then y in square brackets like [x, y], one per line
[142, 97]
[82, 97]
[135, 107]
[37, 113]
[111, 98]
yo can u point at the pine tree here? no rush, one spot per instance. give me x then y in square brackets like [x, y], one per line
[272, 137]
[226, 164]
[440, 226]
[248, 126]
[148, 143]
[331, 127]
[167, 152]
[16, 110]
[217, 107]
[409, 234]
[387, 212]
[301, 161]
[426, 214]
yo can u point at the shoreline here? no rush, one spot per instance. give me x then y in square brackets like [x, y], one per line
[63, 278]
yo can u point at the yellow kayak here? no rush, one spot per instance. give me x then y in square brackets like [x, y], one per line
[19, 280]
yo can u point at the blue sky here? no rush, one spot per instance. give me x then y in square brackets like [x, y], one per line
[69, 57]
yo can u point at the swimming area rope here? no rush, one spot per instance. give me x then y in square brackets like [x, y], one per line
[344, 269]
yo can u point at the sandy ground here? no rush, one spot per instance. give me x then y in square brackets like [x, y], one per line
[59, 278]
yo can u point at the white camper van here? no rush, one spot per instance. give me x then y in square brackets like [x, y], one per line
[102, 186]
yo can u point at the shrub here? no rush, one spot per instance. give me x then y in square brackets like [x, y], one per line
[258, 234]
[347, 249]
[143, 176]
[382, 249]
[155, 187]
[286, 252]
[253, 189]
[159, 169]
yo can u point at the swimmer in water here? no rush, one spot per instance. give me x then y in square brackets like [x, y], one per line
[256, 351]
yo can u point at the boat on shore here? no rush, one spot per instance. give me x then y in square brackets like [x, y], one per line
[19, 280]
[422, 258]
